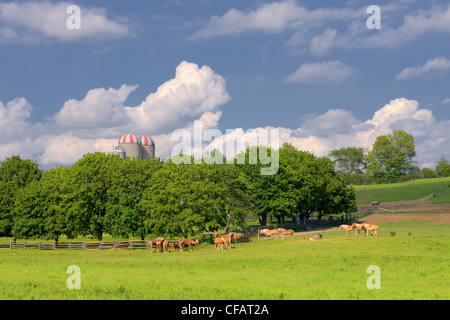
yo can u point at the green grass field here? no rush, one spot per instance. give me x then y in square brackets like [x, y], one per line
[413, 264]
[405, 191]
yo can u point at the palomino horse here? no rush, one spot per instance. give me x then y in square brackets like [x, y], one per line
[236, 237]
[357, 227]
[182, 243]
[346, 227]
[219, 241]
[372, 228]
[288, 232]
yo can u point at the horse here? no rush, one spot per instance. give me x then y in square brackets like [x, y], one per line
[158, 243]
[288, 232]
[219, 241]
[357, 227]
[237, 236]
[191, 243]
[165, 245]
[264, 231]
[346, 227]
[150, 246]
[372, 228]
[175, 246]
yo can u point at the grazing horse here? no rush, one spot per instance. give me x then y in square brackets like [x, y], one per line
[219, 241]
[264, 231]
[175, 246]
[150, 246]
[357, 227]
[372, 228]
[165, 245]
[182, 243]
[288, 232]
[346, 227]
[191, 243]
[236, 237]
[158, 243]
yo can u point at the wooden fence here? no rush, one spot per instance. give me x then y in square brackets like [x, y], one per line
[311, 223]
[143, 244]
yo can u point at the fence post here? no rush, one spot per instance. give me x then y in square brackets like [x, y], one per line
[39, 245]
[24, 244]
[115, 244]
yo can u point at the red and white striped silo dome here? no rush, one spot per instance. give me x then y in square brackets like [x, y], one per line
[146, 141]
[129, 138]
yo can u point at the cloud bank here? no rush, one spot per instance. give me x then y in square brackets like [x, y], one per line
[95, 123]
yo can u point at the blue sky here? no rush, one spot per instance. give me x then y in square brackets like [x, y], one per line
[310, 68]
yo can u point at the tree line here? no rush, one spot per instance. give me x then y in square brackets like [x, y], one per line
[101, 193]
[390, 160]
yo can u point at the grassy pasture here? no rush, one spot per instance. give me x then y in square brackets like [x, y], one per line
[410, 190]
[412, 266]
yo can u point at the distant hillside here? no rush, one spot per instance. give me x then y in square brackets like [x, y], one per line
[405, 191]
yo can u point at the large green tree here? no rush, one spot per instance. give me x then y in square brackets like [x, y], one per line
[391, 156]
[15, 174]
[184, 200]
[39, 210]
[90, 178]
[443, 167]
[125, 215]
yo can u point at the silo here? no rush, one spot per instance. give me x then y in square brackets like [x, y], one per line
[147, 147]
[131, 145]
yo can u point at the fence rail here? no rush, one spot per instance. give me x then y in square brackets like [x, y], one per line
[143, 244]
[311, 223]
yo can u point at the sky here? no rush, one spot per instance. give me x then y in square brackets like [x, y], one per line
[321, 72]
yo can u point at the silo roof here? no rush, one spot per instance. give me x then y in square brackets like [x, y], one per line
[146, 141]
[129, 138]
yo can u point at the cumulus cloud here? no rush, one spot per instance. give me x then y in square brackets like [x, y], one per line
[432, 65]
[339, 128]
[100, 108]
[328, 71]
[33, 21]
[95, 122]
[192, 92]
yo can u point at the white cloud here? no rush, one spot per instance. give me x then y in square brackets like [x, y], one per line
[32, 21]
[323, 42]
[446, 100]
[191, 93]
[432, 65]
[328, 71]
[100, 108]
[339, 128]
[95, 122]
[271, 18]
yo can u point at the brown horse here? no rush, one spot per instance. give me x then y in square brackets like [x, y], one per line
[150, 246]
[288, 232]
[158, 244]
[346, 227]
[219, 241]
[236, 237]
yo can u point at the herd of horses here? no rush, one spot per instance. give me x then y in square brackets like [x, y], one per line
[373, 228]
[163, 245]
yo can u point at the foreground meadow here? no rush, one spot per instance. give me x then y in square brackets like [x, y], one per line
[412, 266]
